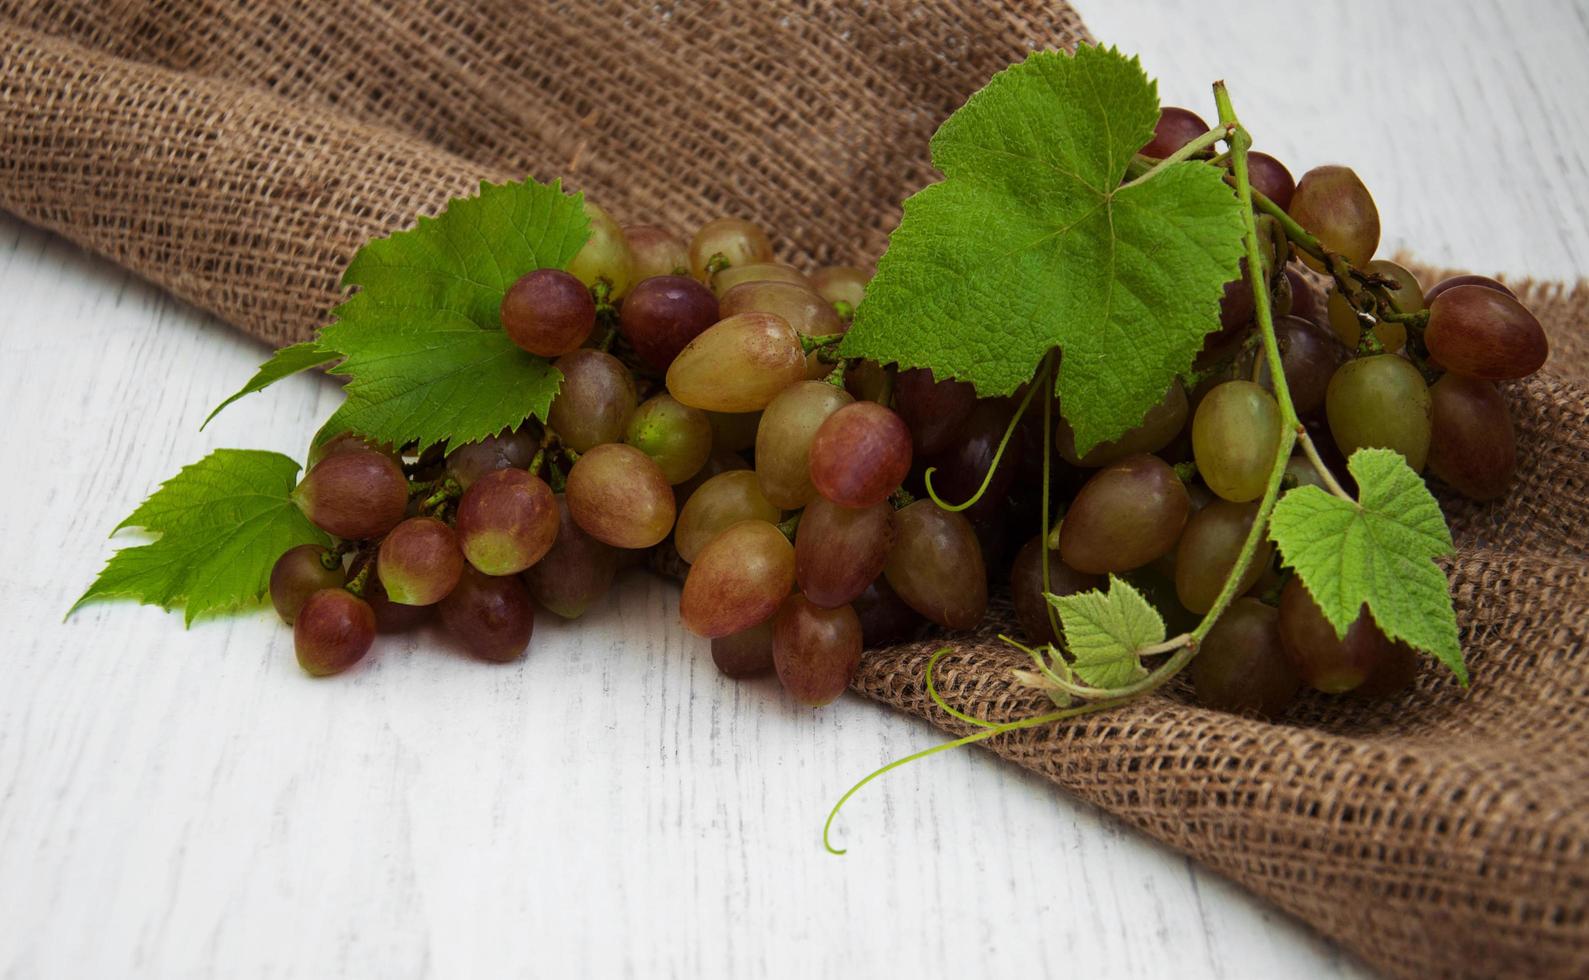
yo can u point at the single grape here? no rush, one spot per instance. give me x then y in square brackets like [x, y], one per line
[332, 632]
[720, 503]
[1327, 662]
[1310, 356]
[594, 402]
[620, 497]
[784, 437]
[298, 574]
[1208, 550]
[391, 617]
[744, 654]
[933, 409]
[1026, 588]
[507, 450]
[1270, 178]
[323, 445]
[800, 307]
[1469, 280]
[1332, 203]
[548, 312]
[1348, 327]
[1176, 128]
[842, 285]
[506, 521]
[816, 651]
[663, 314]
[1471, 446]
[678, 438]
[721, 461]
[738, 580]
[1407, 295]
[1380, 402]
[419, 561]
[727, 242]
[1304, 299]
[936, 565]
[1129, 513]
[738, 364]
[605, 256]
[656, 251]
[860, 455]
[738, 275]
[885, 618]
[1484, 333]
[1301, 473]
[575, 573]
[840, 550]
[1241, 666]
[1158, 428]
[490, 615]
[354, 494]
[1235, 435]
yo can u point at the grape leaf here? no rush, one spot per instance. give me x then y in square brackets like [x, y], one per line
[222, 522]
[1106, 632]
[283, 363]
[1379, 550]
[425, 354]
[1030, 242]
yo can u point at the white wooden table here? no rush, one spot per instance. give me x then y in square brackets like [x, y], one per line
[188, 803]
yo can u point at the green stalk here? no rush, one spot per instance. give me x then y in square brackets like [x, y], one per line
[1185, 153]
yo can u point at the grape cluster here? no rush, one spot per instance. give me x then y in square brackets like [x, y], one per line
[703, 407]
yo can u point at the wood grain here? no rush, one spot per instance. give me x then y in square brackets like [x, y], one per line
[188, 803]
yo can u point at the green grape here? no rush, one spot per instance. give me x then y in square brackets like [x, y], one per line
[744, 654]
[1380, 402]
[419, 562]
[1158, 428]
[354, 494]
[727, 242]
[717, 505]
[936, 565]
[595, 400]
[605, 255]
[797, 303]
[1472, 446]
[721, 461]
[841, 284]
[1026, 588]
[1208, 550]
[1407, 296]
[739, 275]
[1348, 329]
[298, 574]
[620, 497]
[784, 437]
[678, 438]
[1332, 203]
[738, 580]
[1241, 666]
[332, 632]
[816, 651]
[506, 521]
[657, 251]
[1329, 663]
[1235, 435]
[738, 364]
[1129, 513]
[840, 550]
[575, 573]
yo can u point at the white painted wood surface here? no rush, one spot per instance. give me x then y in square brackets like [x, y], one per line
[187, 803]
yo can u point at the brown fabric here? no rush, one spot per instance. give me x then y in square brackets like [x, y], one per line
[238, 153]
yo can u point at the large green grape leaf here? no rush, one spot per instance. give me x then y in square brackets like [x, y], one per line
[1106, 633]
[222, 523]
[1379, 550]
[1030, 242]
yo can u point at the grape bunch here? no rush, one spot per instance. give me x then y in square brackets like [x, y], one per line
[824, 505]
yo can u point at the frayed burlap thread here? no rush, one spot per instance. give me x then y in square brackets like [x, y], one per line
[238, 154]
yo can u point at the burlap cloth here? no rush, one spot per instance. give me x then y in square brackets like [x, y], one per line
[238, 154]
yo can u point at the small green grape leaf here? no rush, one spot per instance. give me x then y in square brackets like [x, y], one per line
[1379, 551]
[1030, 242]
[1106, 633]
[425, 354]
[283, 363]
[222, 523]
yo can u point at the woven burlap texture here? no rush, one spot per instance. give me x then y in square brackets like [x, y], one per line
[239, 154]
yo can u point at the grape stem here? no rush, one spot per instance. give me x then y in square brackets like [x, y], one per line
[1312, 453]
[998, 454]
[1185, 153]
[809, 343]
